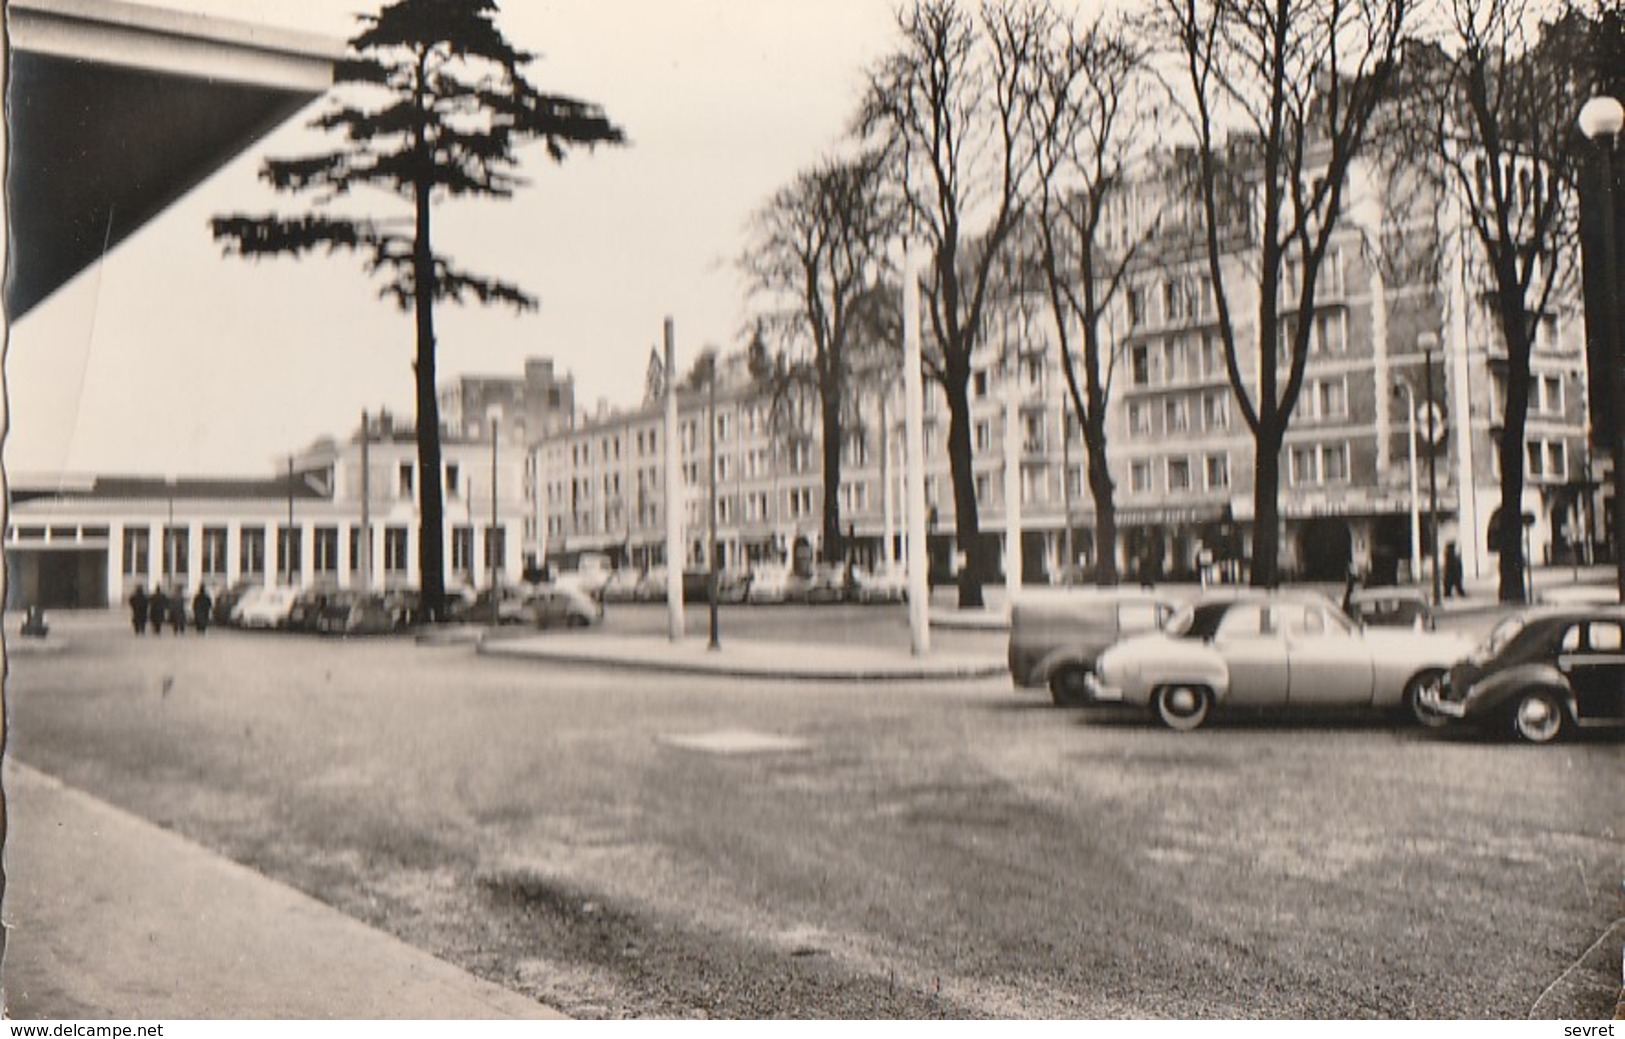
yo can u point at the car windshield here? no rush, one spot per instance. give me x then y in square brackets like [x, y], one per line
[1196, 621]
[1497, 639]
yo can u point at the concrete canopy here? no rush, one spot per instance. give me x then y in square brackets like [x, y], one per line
[115, 110]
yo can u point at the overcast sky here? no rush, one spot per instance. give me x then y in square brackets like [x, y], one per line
[169, 359]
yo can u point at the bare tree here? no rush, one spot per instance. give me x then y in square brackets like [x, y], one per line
[1082, 126]
[1279, 94]
[951, 108]
[1494, 101]
[817, 249]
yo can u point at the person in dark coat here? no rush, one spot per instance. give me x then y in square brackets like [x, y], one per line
[177, 611]
[138, 608]
[155, 609]
[1453, 572]
[202, 609]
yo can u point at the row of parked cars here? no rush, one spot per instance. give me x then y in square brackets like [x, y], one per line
[347, 612]
[1539, 673]
[828, 583]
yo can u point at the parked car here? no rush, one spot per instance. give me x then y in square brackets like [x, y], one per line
[1264, 649]
[225, 603]
[590, 573]
[828, 584]
[511, 606]
[356, 613]
[879, 586]
[1540, 673]
[622, 585]
[264, 608]
[405, 606]
[306, 610]
[774, 584]
[562, 605]
[1392, 608]
[652, 588]
[1056, 640]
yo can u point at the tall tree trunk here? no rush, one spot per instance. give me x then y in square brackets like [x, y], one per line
[1267, 506]
[1509, 535]
[431, 524]
[831, 415]
[1103, 493]
[967, 526]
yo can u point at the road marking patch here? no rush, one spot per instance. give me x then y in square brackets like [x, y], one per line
[735, 741]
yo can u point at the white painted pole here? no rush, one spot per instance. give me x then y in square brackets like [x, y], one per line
[888, 547]
[919, 605]
[674, 495]
[1012, 493]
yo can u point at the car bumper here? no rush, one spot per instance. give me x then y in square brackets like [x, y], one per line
[1432, 699]
[1101, 692]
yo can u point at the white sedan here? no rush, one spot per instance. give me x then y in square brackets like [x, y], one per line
[1264, 649]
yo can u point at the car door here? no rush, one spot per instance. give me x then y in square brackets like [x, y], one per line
[1596, 670]
[1255, 655]
[1328, 663]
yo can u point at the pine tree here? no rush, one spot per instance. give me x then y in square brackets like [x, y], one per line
[432, 102]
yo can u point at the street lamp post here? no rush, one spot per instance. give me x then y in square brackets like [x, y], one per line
[1428, 342]
[1601, 120]
[715, 641]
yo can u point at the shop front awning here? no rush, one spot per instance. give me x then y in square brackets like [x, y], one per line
[116, 110]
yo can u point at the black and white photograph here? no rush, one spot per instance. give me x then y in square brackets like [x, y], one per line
[867, 510]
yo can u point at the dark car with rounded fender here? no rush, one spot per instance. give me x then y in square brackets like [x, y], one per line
[1541, 673]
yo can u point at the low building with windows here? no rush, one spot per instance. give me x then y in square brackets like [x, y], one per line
[91, 542]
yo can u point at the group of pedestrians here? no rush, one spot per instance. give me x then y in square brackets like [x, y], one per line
[158, 608]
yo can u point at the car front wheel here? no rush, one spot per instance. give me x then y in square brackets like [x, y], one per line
[1538, 718]
[1067, 687]
[1418, 711]
[1183, 707]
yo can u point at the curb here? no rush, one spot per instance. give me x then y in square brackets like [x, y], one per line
[774, 672]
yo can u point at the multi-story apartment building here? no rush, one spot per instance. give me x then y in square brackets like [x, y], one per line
[91, 542]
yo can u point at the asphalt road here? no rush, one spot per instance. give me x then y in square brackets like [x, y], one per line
[631, 845]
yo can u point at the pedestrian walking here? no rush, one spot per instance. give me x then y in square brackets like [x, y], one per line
[1351, 584]
[1453, 572]
[138, 608]
[177, 611]
[202, 609]
[155, 609]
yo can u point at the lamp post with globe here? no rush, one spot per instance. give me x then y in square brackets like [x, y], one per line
[1601, 120]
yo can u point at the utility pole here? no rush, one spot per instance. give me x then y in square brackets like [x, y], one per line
[287, 542]
[490, 535]
[711, 493]
[674, 495]
[919, 590]
[1066, 496]
[364, 541]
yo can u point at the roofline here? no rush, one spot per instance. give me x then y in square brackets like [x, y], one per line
[115, 32]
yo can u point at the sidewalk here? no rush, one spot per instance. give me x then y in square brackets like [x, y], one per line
[110, 917]
[1481, 596]
[742, 658]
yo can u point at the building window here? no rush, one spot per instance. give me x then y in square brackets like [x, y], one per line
[979, 385]
[984, 436]
[1140, 477]
[1173, 360]
[1330, 332]
[214, 551]
[395, 550]
[1140, 364]
[176, 544]
[984, 489]
[1179, 474]
[325, 544]
[1334, 463]
[1216, 411]
[453, 479]
[462, 549]
[405, 480]
[137, 545]
[1176, 415]
[496, 547]
[1329, 398]
[1305, 465]
[1218, 472]
[251, 552]
[289, 549]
